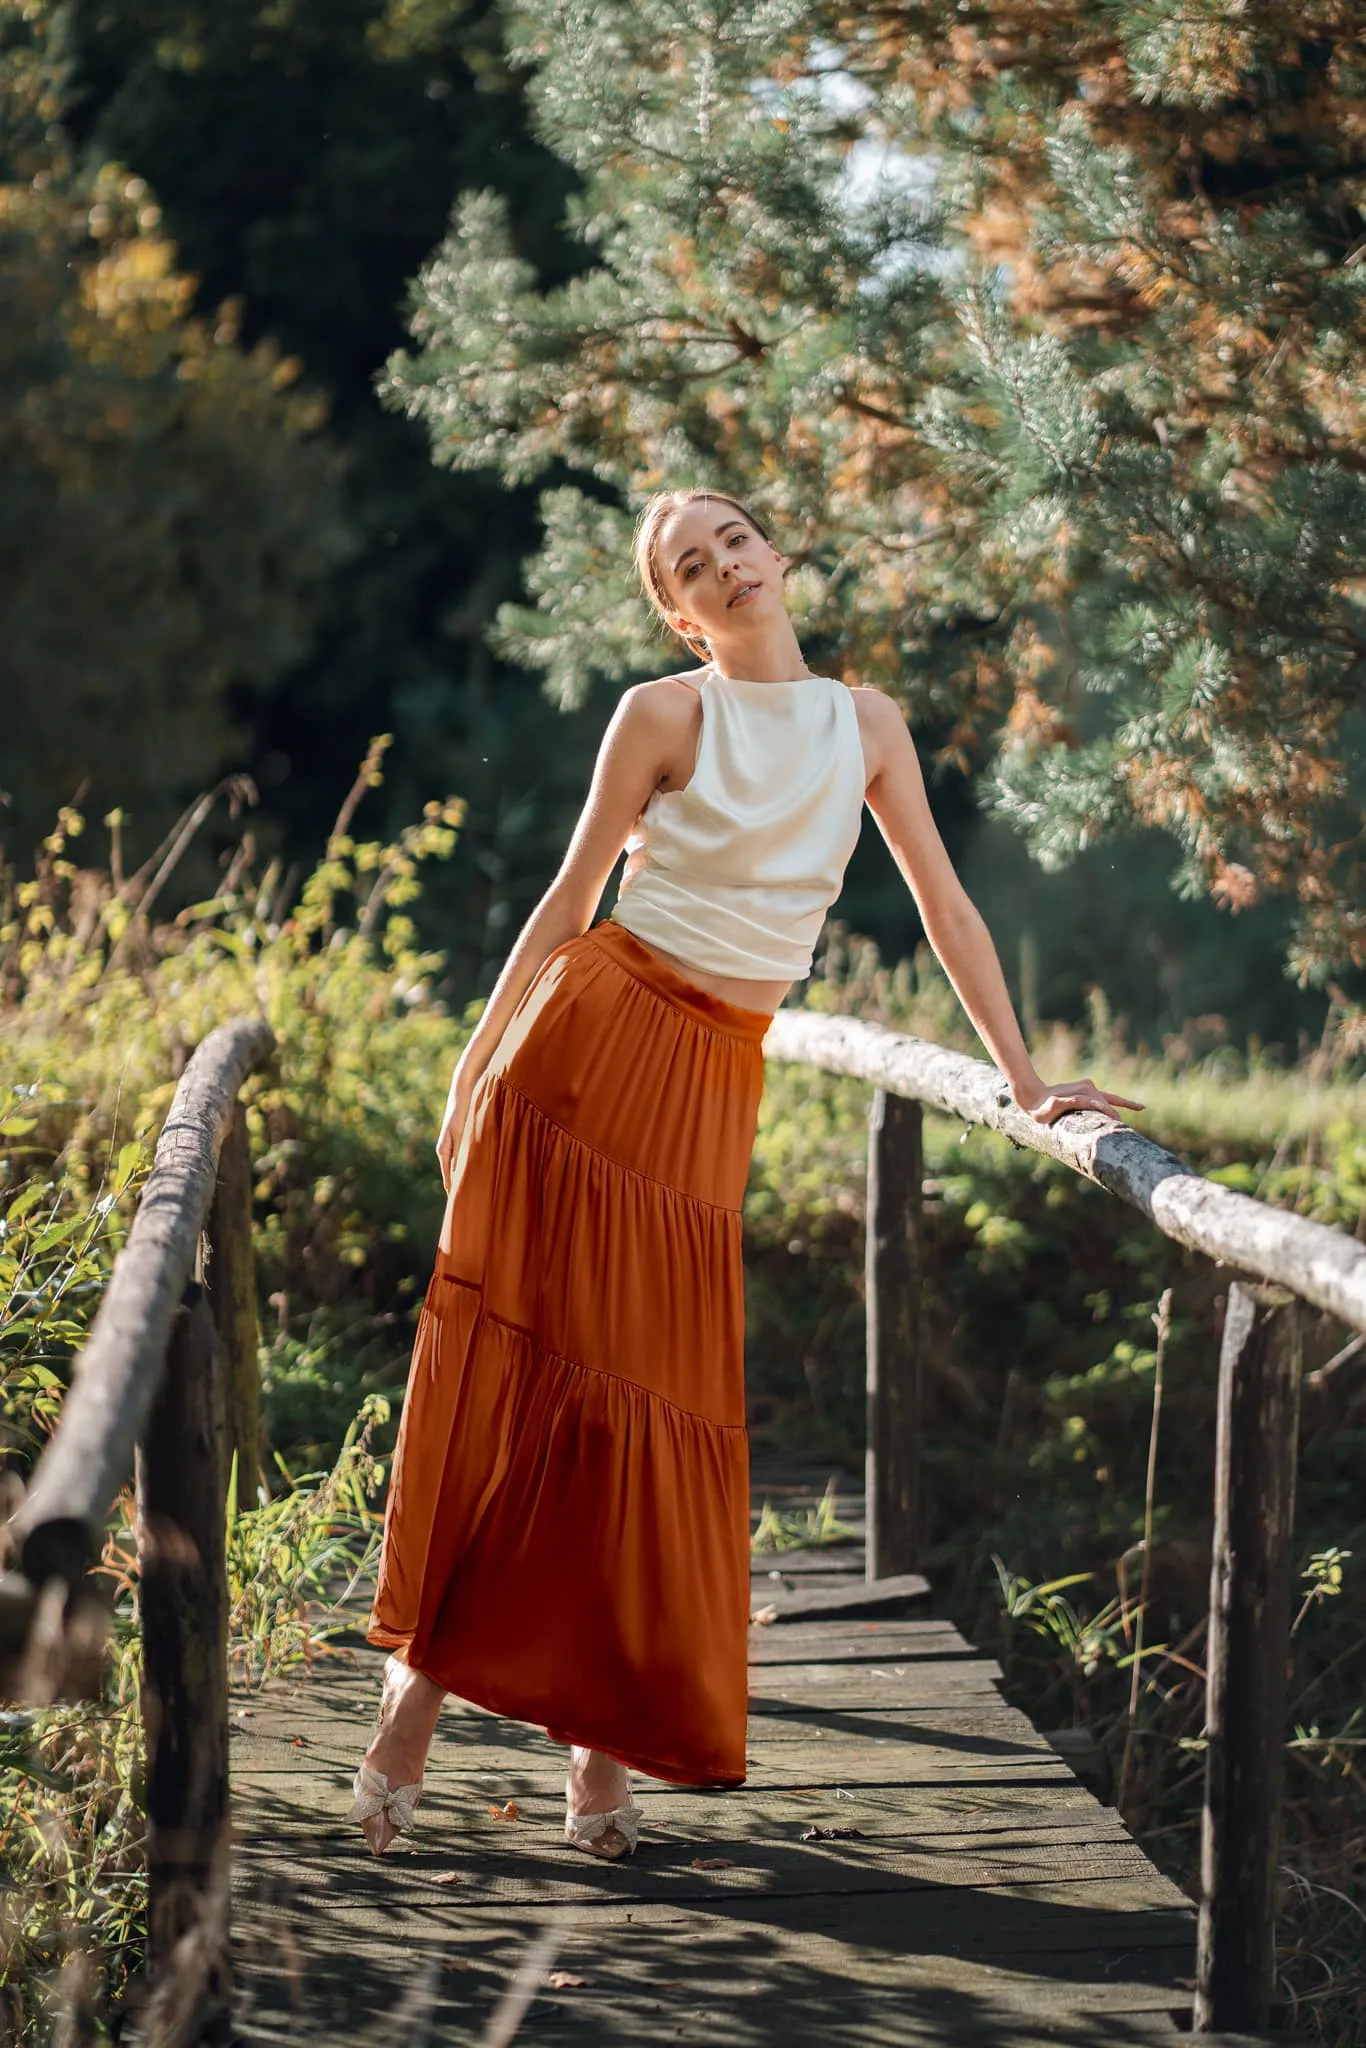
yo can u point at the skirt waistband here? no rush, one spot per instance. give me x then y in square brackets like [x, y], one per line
[637, 959]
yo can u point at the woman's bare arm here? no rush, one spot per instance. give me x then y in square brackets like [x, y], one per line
[953, 925]
[642, 738]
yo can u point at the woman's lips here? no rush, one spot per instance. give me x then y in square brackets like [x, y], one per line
[742, 595]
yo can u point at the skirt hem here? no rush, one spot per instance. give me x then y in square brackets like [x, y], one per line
[493, 1700]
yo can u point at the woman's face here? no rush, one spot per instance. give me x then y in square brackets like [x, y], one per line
[719, 575]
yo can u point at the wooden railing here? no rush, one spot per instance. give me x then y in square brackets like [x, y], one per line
[166, 1389]
[1281, 1261]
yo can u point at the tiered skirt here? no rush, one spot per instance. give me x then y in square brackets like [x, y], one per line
[566, 1535]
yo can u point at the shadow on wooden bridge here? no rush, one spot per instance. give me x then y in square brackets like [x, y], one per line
[909, 1862]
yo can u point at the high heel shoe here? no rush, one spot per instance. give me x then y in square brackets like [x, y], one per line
[613, 1835]
[373, 1794]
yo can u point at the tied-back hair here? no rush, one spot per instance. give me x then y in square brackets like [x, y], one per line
[653, 515]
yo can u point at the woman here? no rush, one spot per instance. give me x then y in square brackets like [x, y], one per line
[567, 1531]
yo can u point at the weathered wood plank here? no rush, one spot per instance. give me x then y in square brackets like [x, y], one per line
[823, 1561]
[838, 1642]
[884, 1684]
[722, 1975]
[853, 1596]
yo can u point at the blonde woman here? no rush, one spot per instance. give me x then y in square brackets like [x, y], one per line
[566, 1537]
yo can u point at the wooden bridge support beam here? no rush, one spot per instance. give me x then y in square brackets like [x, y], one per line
[1257, 1439]
[232, 1297]
[893, 1273]
[181, 1487]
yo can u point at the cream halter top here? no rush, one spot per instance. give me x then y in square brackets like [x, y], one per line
[738, 868]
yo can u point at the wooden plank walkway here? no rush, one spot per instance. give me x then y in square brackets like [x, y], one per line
[909, 1863]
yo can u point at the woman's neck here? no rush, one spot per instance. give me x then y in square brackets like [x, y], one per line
[772, 656]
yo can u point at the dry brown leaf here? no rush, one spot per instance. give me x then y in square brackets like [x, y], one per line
[296, 1741]
[512, 1811]
[762, 1616]
[446, 1877]
[711, 1863]
[565, 1980]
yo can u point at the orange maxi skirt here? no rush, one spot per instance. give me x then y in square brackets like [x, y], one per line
[566, 1537]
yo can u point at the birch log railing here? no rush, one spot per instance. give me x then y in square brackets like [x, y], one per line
[166, 1389]
[1283, 1261]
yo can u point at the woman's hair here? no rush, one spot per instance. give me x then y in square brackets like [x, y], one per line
[656, 510]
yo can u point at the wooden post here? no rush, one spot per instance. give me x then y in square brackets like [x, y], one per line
[232, 1296]
[181, 1484]
[892, 1273]
[1256, 1443]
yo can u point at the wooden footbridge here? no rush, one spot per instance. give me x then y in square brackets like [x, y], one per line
[909, 1862]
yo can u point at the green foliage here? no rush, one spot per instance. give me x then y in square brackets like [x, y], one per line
[804, 1528]
[72, 1792]
[343, 1126]
[301, 1555]
[171, 506]
[1054, 405]
[57, 1241]
[305, 158]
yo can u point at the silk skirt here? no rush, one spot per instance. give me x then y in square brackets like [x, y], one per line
[566, 1534]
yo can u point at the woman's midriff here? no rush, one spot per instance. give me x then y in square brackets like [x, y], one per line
[746, 995]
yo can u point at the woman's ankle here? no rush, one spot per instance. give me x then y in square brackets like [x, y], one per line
[597, 1783]
[409, 1710]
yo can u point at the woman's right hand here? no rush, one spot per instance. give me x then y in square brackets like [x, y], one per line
[453, 1123]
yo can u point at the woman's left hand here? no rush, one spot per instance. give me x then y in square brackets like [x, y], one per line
[1047, 1104]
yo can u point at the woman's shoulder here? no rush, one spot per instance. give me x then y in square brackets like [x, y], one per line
[664, 699]
[688, 678]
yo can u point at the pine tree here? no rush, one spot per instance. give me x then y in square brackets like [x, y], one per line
[1065, 434]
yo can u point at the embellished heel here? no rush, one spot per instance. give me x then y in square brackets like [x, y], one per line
[612, 1835]
[373, 1794]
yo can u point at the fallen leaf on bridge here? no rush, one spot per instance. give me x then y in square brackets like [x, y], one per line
[565, 1980]
[512, 1811]
[711, 1863]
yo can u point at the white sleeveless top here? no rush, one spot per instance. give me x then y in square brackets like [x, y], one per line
[739, 867]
